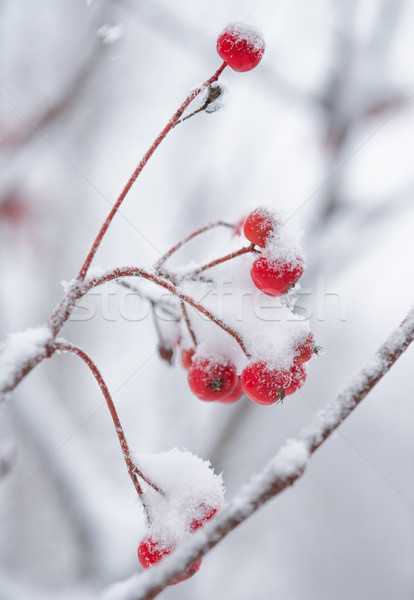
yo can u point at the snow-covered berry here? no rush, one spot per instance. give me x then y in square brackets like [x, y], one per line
[211, 379]
[263, 384]
[276, 277]
[258, 226]
[241, 46]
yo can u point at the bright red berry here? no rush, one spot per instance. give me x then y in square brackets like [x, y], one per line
[150, 552]
[274, 278]
[304, 351]
[187, 357]
[298, 373]
[263, 384]
[258, 226]
[235, 395]
[211, 380]
[240, 46]
[208, 513]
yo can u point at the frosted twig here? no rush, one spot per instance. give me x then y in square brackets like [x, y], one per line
[280, 472]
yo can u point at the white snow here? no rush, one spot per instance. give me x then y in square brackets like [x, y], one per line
[191, 490]
[19, 350]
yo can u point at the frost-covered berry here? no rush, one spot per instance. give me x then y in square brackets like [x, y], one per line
[150, 552]
[264, 385]
[298, 373]
[187, 357]
[208, 513]
[242, 47]
[274, 278]
[304, 351]
[235, 395]
[212, 379]
[258, 226]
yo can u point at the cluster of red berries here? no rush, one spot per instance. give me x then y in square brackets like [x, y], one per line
[216, 378]
[151, 551]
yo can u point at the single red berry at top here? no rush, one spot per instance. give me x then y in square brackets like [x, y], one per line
[263, 384]
[274, 278]
[304, 351]
[258, 226]
[298, 373]
[150, 552]
[242, 47]
[212, 379]
[187, 357]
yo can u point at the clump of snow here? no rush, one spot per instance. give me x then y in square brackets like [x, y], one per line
[291, 459]
[20, 350]
[192, 490]
[109, 34]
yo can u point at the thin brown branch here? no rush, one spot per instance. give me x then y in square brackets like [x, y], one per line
[133, 470]
[219, 261]
[170, 125]
[284, 469]
[188, 322]
[160, 263]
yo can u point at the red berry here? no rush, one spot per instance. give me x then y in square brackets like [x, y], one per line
[150, 552]
[235, 395]
[187, 357]
[208, 513]
[298, 373]
[263, 384]
[304, 351]
[211, 380]
[274, 278]
[240, 46]
[258, 226]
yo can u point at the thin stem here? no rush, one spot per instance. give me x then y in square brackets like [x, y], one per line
[138, 272]
[223, 259]
[188, 322]
[132, 468]
[170, 125]
[160, 263]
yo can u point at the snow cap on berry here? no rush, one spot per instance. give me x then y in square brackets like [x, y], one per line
[191, 489]
[241, 46]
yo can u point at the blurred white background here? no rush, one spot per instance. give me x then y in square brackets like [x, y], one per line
[323, 127]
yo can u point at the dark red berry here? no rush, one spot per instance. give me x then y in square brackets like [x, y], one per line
[187, 357]
[304, 351]
[258, 226]
[235, 395]
[150, 552]
[298, 373]
[263, 384]
[208, 513]
[166, 352]
[274, 278]
[240, 46]
[210, 379]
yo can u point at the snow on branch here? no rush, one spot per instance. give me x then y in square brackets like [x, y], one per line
[281, 472]
[20, 353]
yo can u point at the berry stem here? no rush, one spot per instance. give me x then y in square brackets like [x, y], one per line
[223, 259]
[170, 125]
[133, 470]
[188, 322]
[160, 263]
[138, 272]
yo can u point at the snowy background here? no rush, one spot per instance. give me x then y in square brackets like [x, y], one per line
[322, 128]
